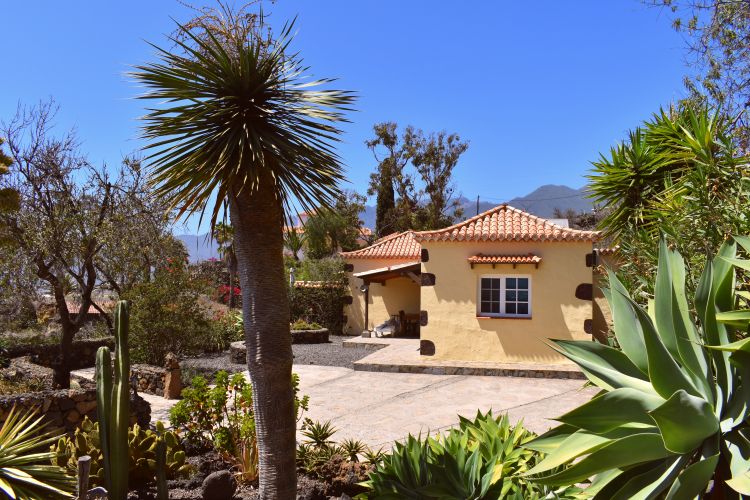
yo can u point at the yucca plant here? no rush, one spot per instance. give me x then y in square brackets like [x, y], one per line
[483, 458]
[671, 418]
[26, 471]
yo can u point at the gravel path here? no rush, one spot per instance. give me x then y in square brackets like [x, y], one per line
[331, 354]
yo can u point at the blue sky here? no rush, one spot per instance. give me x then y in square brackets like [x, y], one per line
[538, 88]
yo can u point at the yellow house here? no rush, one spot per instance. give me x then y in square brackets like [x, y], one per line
[491, 288]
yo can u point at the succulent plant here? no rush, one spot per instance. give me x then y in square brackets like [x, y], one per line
[113, 406]
[482, 459]
[23, 470]
[142, 450]
[672, 417]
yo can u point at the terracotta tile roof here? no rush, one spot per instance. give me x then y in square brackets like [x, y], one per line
[505, 223]
[608, 250]
[107, 306]
[504, 259]
[394, 246]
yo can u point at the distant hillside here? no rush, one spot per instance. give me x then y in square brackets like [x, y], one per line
[200, 247]
[541, 202]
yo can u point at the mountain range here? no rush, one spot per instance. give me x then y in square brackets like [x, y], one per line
[541, 202]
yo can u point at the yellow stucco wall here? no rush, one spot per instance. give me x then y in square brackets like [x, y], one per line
[451, 305]
[602, 313]
[400, 294]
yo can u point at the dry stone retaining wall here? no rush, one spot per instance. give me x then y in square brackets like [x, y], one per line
[65, 409]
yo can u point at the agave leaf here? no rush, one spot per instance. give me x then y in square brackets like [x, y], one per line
[685, 421]
[577, 444]
[552, 439]
[624, 452]
[664, 299]
[605, 366]
[738, 449]
[613, 409]
[688, 341]
[627, 333]
[653, 481]
[740, 263]
[739, 319]
[602, 480]
[693, 479]
[665, 373]
[740, 350]
[712, 333]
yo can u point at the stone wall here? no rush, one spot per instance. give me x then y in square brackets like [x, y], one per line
[83, 352]
[65, 409]
[238, 350]
[153, 380]
[165, 382]
[310, 336]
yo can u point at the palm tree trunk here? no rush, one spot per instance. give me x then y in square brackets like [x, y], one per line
[258, 221]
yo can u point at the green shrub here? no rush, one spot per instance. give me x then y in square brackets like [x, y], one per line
[142, 453]
[222, 416]
[167, 316]
[322, 303]
[301, 324]
[227, 327]
[484, 458]
[671, 420]
[25, 470]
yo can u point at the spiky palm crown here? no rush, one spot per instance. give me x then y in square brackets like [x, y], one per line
[234, 112]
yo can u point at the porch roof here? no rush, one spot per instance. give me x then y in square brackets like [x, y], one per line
[381, 274]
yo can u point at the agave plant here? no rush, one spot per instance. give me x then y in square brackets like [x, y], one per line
[25, 471]
[482, 459]
[671, 418]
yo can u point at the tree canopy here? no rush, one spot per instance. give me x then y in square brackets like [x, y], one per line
[413, 181]
[717, 37]
[680, 174]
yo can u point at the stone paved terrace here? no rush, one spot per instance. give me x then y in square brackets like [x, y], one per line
[381, 407]
[402, 356]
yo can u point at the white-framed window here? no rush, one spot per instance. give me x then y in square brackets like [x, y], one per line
[505, 296]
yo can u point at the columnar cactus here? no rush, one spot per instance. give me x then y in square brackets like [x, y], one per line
[113, 399]
[161, 469]
[104, 404]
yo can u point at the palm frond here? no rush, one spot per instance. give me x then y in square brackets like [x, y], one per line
[233, 110]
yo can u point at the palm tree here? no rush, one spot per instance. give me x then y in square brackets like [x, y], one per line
[224, 236]
[239, 123]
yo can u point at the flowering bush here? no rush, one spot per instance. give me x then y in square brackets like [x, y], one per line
[223, 293]
[228, 328]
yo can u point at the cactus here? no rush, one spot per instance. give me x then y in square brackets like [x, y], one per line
[143, 462]
[120, 410]
[113, 403]
[161, 469]
[104, 406]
